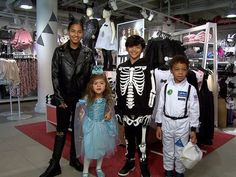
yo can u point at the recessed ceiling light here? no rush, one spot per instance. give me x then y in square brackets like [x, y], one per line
[231, 13]
[26, 4]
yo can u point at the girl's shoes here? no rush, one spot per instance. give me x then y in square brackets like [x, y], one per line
[85, 175]
[100, 173]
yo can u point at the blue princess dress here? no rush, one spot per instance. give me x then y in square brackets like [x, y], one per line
[94, 136]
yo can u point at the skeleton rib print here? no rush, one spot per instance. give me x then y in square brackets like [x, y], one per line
[130, 78]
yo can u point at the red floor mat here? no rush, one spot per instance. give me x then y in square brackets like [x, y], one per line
[111, 166]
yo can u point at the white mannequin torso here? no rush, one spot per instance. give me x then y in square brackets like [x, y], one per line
[106, 38]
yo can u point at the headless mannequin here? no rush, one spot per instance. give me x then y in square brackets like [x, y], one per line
[91, 30]
[102, 43]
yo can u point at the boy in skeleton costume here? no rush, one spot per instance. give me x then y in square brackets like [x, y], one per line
[135, 91]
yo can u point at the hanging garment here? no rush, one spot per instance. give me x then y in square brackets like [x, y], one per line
[206, 129]
[104, 38]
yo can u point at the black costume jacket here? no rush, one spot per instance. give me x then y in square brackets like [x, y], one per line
[135, 89]
[69, 78]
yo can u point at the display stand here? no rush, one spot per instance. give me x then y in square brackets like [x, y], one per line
[18, 115]
[210, 29]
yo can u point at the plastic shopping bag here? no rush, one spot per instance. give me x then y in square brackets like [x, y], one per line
[191, 155]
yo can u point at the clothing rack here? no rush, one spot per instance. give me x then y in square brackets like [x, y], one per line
[210, 29]
[13, 84]
[162, 34]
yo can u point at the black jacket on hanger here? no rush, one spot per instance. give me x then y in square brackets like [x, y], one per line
[158, 48]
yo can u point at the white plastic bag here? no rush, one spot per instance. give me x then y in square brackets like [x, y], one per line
[191, 155]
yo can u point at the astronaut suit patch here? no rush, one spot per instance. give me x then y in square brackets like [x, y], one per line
[182, 95]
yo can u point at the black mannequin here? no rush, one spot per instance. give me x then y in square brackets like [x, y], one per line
[91, 30]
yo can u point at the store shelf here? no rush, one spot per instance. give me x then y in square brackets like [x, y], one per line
[196, 44]
[210, 30]
[33, 98]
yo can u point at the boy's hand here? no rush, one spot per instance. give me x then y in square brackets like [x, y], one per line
[193, 137]
[108, 116]
[159, 133]
[119, 119]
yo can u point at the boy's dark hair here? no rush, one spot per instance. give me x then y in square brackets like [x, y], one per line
[179, 59]
[134, 40]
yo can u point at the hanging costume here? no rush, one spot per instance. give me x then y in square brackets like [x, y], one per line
[181, 115]
[104, 43]
[135, 89]
[94, 136]
[91, 29]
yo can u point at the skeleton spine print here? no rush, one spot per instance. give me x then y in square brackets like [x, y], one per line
[132, 78]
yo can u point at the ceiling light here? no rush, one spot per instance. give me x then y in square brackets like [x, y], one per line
[113, 4]
[231, 13]
[144, 13]
[85, 1]
[26, 4]
[151, 15]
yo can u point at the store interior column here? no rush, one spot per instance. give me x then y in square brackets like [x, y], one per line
[46, 43]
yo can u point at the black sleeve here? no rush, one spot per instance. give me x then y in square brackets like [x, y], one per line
[55, 77]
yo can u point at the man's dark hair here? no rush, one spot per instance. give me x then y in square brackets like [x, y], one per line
[134, 40]
[179, 59]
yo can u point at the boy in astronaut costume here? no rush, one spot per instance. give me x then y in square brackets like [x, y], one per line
[135, 91]
[177, 116]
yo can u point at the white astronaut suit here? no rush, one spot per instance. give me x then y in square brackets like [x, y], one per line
[178, 114]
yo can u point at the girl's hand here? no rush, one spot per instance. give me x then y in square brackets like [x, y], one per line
[108, 116]
[159, 133]
[193, 137]
[63, 105]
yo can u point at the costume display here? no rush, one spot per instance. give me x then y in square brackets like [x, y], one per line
[95, 137]
[91, 30]
[106, 40]
[135, 89]
[105, 37]
[181, 114]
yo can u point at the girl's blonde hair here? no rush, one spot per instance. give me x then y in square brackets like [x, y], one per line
[91, 95]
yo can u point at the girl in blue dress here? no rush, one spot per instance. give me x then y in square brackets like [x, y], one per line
[96, 127]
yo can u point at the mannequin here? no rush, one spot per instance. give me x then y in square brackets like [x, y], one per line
[91, 30]
[106, 39]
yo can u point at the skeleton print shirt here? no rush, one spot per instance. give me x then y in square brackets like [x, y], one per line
[135, 89]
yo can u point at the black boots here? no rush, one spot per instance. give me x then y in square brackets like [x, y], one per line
[127, 168]
[169, 173]
[74, 162]
[54, 166]
[144, 169]
[53, 169]
[179, 174]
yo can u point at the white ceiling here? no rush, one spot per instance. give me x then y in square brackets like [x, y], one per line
[186, 10]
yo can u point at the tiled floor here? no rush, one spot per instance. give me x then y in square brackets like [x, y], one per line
[23, 157]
